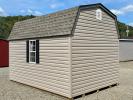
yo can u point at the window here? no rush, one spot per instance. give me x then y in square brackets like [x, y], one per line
[32, 51]
[99, 14]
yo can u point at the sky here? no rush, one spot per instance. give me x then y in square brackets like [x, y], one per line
[122, 8]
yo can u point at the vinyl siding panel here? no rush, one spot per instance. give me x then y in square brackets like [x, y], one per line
[126, 50]
[53, 71]
[94, 53]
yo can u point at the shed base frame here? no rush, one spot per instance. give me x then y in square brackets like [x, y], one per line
[3, 66]
[95, 91]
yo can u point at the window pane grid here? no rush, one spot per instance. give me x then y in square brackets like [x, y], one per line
[32, 51]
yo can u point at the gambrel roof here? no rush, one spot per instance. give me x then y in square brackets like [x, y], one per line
[56, 24]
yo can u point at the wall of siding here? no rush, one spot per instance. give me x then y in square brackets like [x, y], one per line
[126, 50]
[53, 72]
[94, 53]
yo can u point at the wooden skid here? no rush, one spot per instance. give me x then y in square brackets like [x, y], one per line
[95, 91]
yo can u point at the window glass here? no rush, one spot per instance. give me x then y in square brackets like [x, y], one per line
[32, 46]
[32, 57]
[32, 51]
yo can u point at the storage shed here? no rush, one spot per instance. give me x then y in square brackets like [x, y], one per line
[70, 52]
[126, 49]
[4, 53]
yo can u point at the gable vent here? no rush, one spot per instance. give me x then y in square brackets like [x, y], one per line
[99, 14]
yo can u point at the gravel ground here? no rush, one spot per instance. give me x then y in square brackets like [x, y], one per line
[10, 90]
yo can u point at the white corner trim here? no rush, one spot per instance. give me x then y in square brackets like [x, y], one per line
[70, 62]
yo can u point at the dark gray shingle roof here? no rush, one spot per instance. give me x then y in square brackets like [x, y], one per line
[59, 23]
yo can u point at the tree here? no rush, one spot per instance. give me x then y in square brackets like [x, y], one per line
[6, 24]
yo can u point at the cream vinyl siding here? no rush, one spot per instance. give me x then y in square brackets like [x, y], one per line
[71, 65]
[94, 53]
[53, 71]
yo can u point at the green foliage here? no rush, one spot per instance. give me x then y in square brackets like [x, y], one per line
[6, 24]
[122, 30]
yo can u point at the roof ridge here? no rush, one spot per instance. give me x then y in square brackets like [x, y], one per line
[55, 24]
[53, 13]
[58, 23]
[76, 7]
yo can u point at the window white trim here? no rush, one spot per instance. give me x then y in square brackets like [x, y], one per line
[32, 51]
[99, 14]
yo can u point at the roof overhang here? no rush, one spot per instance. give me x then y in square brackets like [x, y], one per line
[82, 7]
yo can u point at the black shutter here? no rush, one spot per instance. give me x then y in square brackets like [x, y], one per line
[37, 51]
[27, 51]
